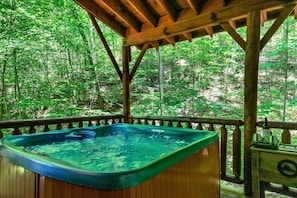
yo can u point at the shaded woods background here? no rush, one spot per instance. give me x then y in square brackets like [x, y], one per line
[53, 65]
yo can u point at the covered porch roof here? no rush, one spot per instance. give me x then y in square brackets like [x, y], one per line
[161, 22]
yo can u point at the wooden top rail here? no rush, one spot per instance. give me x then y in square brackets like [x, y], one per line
[191, 119]
[279, 125]
[39, 122]
[16, 125]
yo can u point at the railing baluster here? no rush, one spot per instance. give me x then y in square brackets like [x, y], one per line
[70, 126]
[200, 127]
[90, 123]
[224, 141]
[46, 128]
[16, 131]
[32, 130]
[98, 123]
[153, 122]
[286, 137]
[189, 125]
[170, 123]
[1, 133]
[80, 124]
[59, 126]
[210, 127]
[236, 152]
[179, 124]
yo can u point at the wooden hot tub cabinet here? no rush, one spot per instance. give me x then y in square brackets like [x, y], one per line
[196, 176]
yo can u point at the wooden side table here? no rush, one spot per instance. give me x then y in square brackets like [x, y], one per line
[272, 165]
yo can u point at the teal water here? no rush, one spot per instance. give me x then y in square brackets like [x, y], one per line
[112, 153]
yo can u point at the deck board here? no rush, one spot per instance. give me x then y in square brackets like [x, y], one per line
[229, 192]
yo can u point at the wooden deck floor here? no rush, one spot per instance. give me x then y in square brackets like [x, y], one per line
[232, 192]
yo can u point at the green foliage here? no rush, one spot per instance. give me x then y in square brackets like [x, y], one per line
[53, 65]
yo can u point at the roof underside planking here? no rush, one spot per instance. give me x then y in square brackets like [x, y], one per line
[162, 22]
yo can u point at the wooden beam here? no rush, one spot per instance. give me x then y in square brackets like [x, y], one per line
[263, 18]
[226, 2]
[121, 12]
[227, 27]
[126, 83]
[196, 6]
[166, 5]
[141, 8]
[188, 36]
[295, 12]
[170, 40]
[95, 10]
[143, 50]
[105, 44]
[250, 92]
[277, 23]
[232, 23]
[155, 44]
[199, 21]
[209, 30]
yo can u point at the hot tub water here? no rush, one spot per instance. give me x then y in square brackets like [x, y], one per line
[111, 153]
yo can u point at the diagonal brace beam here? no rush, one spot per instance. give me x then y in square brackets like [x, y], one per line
[143, 50]
[277, 23]
[227, 27]
[106, 46]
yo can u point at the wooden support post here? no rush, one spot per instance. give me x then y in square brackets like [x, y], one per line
[126, 82]
[250, 91]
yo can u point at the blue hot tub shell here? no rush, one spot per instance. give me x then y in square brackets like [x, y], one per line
[12, 148]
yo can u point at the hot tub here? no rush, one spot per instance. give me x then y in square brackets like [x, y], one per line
[118, 160]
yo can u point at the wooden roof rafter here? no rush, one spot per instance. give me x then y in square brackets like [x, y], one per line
[196, 5]
[121, 11]
[170, 10]
[263, 17]
[197, 22]
[91, 7]
[162, 22]
[140, 7]
[226, 2]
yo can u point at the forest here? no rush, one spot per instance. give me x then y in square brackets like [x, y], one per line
[53, 65]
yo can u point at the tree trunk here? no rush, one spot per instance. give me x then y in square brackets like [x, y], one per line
[16, 77]
[161, 79]
[90, 61]
[286, 65]
[3, 87]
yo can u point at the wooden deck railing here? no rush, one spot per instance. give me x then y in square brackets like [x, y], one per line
[43, 125]
[230, 139]
[284, 131]
[229, 130]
